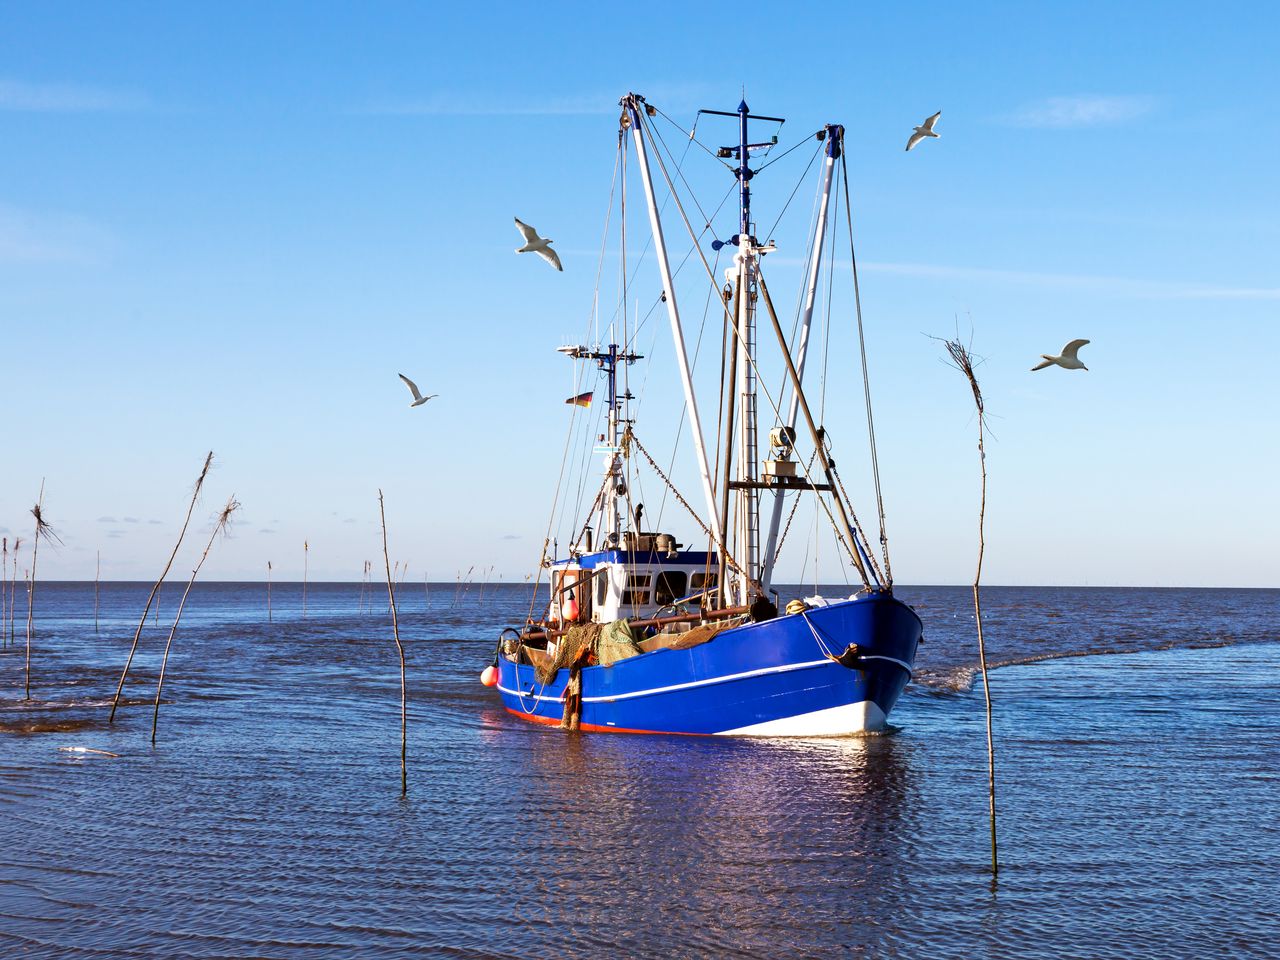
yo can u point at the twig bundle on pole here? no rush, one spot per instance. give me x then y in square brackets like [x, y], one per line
[395, 628]
[42, 530]
[220, 527]
[963, 361]
[195, 495]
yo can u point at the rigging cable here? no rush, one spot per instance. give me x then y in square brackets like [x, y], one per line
[853, 549]
[619, 162]
[866, 379]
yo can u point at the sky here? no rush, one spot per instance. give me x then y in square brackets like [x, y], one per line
[228, 227]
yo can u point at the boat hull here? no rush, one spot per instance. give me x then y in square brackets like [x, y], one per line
[774, 678]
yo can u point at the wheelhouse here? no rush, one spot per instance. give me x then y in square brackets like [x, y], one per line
[645, 576]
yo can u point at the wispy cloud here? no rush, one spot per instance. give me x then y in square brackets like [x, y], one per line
[1124, 286]
[1082, 111]
[469, 104]
[108, 520]
[67, 98]
[27, 237]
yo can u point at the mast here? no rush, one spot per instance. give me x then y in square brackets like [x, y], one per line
[747, 262]
[608, 360]
[835, 143]
[632, 115]
[748, 541]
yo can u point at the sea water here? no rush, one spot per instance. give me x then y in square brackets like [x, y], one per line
[1137, 745]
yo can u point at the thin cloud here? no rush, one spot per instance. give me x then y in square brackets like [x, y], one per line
[511, 536]
[132, 520]
[1063, 113]
[67, 98]
[27, 237]
[265, 530]
[462, 104]
[157, 523]
[108, 520]
[1142, 289]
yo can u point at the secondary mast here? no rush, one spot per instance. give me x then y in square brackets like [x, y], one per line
[608, 360]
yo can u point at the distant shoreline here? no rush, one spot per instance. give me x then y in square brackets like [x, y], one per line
[834, 587]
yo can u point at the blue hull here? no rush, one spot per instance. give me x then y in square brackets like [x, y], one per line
[765, 679]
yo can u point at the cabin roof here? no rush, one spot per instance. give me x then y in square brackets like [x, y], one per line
[650, 558]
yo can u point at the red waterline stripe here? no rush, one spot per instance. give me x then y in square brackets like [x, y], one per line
[596, 728]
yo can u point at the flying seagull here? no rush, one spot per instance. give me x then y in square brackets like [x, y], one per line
[1069, 360]
[535, 244]
[418, 398]
[924, 130]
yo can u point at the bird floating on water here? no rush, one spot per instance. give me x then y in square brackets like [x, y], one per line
[418, 398]
[536, 244]
[924, 130]
[1068, 360]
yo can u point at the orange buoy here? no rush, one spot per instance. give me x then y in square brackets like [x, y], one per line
[489, 676]
[571, 610]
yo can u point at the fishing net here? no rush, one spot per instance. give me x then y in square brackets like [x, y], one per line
[574, 646]
[615, 643]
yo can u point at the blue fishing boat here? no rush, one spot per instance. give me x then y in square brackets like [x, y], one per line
[629, 631]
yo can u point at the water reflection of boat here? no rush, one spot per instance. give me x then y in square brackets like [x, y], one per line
[640, 634]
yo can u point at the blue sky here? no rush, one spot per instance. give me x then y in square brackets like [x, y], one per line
[229, 228]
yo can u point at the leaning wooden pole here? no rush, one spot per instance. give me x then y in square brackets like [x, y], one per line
[97, 575]
[964, 363]
[268, 591]
[195, 495]
[395, 628]
[220, 527]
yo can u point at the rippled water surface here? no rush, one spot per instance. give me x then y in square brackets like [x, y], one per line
[1139, 792]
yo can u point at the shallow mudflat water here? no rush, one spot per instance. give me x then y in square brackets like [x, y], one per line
[1138, 738]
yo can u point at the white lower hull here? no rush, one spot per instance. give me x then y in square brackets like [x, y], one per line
[841, 721]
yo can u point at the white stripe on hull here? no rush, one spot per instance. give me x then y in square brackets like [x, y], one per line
[841, 721]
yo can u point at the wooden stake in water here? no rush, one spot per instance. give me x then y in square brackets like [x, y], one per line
[42, 530]
[97, 574]
[395, 628]
[306, 552]
[13, 586]
[195, 495]
[4, 597]
[963, 361]
[220, 527]
[268, 591]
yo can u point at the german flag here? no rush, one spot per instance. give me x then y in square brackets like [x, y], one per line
[582, 399]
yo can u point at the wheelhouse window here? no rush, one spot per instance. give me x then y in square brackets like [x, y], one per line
[669, 587]
[703, 581]
[637, 592]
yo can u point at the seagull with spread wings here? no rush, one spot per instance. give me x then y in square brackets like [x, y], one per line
[924, 130]
[1068, 360]
[536, 244]
[418, 398]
